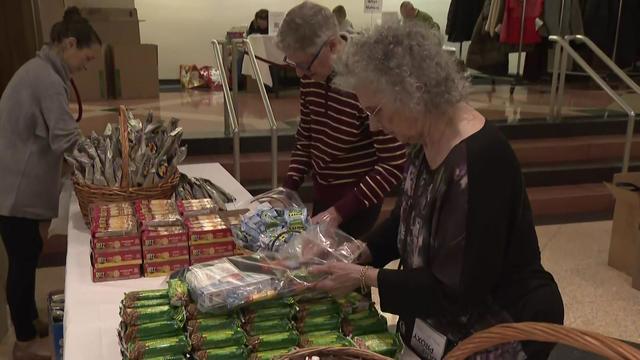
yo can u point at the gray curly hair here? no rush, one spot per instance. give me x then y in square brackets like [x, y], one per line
[306, 27]
[406, 65]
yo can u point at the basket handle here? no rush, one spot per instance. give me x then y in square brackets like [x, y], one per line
[124, 142]
[531, 331]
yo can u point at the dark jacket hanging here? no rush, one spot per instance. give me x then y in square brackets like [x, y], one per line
[461, 19]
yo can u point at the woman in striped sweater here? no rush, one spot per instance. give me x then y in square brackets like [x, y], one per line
[352, 165]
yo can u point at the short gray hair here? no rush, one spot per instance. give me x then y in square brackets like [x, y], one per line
[406, 65]
[306, 27]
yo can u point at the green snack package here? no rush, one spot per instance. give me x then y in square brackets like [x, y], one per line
[167, 357]
[325, 338]
[310, 297]
[318, 308]
[218, 339]
[212, 324]
[319, 323]
[139, 350]
[151, 314]
[226, 353]
[369, 325]
[354, 303]
[178, 292]
[266, 304]
[284, 312]
[268, 327]
[271, 354]
[274, 341]
[144, 303]
[385, 344]
[146, 295]
[194, 313]
[148, 331]
[372, 312]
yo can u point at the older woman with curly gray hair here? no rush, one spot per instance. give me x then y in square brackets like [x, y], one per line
[462, 227]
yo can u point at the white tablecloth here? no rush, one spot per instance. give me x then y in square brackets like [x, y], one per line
[91, 309]
[264, 46]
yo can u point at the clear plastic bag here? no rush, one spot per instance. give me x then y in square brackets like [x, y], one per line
[273, 219]
[226, 284]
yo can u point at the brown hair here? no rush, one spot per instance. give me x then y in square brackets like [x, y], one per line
[74, 25]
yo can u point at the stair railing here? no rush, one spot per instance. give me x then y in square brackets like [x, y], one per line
[562, 51]
[229, 106]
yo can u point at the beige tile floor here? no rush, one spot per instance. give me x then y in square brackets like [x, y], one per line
[596, 297]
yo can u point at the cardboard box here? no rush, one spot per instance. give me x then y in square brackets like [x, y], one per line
[166, 253]
[115, 243]
[153, 239]
[93, 83]
[119, 257]
[109, 14]
[624, 251]
[214, 249]
[136, 71]
[115, 273]
[164, 268]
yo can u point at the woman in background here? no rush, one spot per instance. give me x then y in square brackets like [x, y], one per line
[344, 25]
[36, 129]
[260, 23]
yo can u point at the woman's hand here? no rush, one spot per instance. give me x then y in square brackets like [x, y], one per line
[343, 278]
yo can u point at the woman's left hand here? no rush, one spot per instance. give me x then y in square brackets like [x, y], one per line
[330, 217]
[342, 277]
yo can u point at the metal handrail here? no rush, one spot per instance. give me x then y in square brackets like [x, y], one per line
[564, 45]
[267, 106]
[229, 105]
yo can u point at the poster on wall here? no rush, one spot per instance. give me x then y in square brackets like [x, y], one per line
[275, 20]
[372, 6]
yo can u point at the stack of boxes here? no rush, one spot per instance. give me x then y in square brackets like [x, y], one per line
[157, 237]
[115, 244]
[209, 236]
[165, 247]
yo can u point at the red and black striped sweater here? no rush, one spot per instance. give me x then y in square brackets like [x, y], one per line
[334, 144]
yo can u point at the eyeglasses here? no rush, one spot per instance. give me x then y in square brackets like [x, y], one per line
[306, 69]
[372, 113]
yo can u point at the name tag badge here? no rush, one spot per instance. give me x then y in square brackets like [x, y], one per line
[427, 342]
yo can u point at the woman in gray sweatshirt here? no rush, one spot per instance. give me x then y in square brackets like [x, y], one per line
[36, 129]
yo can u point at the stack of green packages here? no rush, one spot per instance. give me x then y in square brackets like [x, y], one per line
[319, 319]
[216, 336]
[366, 327]
[270, 328]
[152, 323]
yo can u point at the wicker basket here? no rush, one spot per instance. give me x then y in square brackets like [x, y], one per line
[343, 353]
[579, 339]
[90, 194]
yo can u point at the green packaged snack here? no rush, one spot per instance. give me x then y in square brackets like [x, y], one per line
[178, 292]
[266, 304]
[268, 327]
[319, 323]
[325, 338]
[212, 324]
[368, 325]
[144, 303]
[226, 353]
[310, 296]
[194, 313]
[318, 308]
[371, 312]
[148, 331]
[274, 341]
[139, 350]
[151, 314]
[354, 303]
[271, 354]
[385, 344]
[146, 295]
[218, 339]
[167, 357]
[284, 312]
